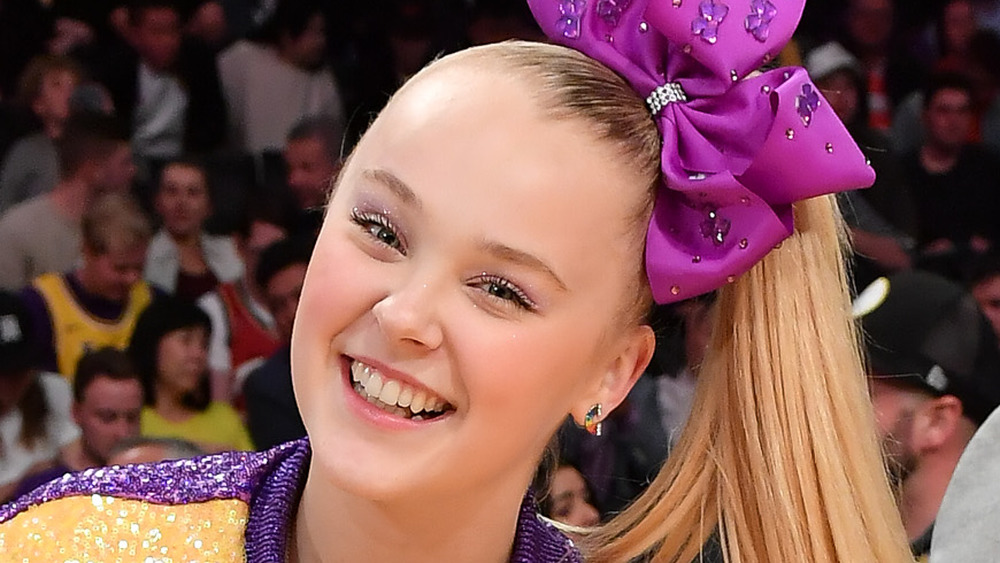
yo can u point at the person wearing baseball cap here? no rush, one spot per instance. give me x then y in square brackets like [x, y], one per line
[935, 377]
[35, 423]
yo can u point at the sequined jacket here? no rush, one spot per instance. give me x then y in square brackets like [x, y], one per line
[232, 506]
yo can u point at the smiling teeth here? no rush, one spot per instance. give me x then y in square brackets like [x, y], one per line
[393, 396]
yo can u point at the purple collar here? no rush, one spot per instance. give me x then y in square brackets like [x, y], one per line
[270, 482]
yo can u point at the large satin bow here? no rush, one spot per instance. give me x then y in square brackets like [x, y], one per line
[738, 148]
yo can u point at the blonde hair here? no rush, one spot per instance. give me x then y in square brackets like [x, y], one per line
[114, 220]
[780, 455]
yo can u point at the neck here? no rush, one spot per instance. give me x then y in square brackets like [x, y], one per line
[479, 528]
[168, 404]
[188, 241]
[936, 158]
[71, 197]
[921, 493]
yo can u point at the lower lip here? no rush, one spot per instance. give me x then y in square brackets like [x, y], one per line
[372, 414]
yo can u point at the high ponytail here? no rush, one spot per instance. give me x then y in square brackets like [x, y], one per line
[779, 456]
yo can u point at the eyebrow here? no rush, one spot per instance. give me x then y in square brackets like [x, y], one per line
[395, 185]
[513, 255]
[501, 251]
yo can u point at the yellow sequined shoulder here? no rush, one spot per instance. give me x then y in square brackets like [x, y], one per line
[104, 528]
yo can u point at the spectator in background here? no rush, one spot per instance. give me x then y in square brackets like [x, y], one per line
[170, 351]
[31, 166]
[888, 75]
[184, 260]
[312, 157]
[882, 218]
[566, 497]
[166, 89]
[953, 183]
[97, 304]
[243, 330]
[935, 377]
[984, 284]
[35, 424]
[107, 400]
[43, 234]
[272, 412]
[278, 77]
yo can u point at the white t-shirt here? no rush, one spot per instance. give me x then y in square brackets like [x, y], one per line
[60, 431]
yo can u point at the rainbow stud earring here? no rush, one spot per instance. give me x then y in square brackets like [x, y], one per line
[592, 420]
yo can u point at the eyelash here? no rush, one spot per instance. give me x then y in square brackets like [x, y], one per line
[374, 223]
[516, 297]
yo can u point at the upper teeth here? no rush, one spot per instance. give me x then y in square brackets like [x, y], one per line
[393, 392]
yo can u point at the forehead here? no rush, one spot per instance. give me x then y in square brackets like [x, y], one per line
[949, 97]
[473, 138]
[102, 387]
[182, 173]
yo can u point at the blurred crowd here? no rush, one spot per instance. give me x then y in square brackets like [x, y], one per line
[164, 166]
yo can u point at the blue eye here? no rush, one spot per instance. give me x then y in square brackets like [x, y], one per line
[379, 228]
[503, 290]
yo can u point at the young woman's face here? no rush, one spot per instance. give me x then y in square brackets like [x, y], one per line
[182, 360]
[472, 269]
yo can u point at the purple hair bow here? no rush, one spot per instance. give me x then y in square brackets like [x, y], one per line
[737, 150]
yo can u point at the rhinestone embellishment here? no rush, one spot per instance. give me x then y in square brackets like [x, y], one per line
[569, 19]
[611, 10]
[715, 228]
[758, 23]
[710, 16]
[806, 103]
[665, 94]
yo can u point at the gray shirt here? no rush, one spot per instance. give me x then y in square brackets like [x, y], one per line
[31, 168]
[36, 238]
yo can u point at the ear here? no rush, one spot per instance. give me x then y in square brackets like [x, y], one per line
[635, 350]
[939, 420]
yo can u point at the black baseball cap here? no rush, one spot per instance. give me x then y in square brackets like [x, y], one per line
[925, 331]
[17, 353]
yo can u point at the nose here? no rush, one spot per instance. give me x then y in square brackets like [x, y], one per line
[408, 314]
[124, 429]
[587, 515]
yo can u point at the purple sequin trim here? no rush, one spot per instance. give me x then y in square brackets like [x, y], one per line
[758, 23]
[538, 541]
[271, 482]
[710, 16]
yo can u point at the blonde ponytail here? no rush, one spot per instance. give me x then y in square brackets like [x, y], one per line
[780, 454]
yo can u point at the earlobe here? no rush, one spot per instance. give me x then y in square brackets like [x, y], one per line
[620, 374]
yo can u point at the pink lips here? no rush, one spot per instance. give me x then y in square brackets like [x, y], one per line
[373, 414]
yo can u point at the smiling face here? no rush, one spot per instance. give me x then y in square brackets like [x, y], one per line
[473, 267]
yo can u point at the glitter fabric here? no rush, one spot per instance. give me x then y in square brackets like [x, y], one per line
[226, 507]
